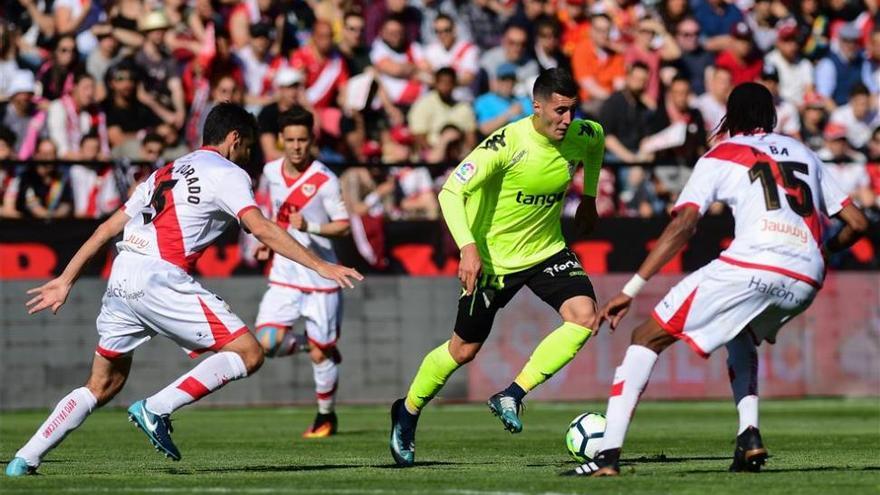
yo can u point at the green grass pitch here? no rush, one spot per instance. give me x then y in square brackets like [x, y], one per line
[821, 446]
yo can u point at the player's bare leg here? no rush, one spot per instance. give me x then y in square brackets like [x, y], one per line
[325, 364]
[436, 368]
[630, 379]
[742, 362]
[106, 380]
[235, 360]
[579, 316]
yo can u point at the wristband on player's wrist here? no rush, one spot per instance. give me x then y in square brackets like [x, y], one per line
[634, 285]
[313, 228]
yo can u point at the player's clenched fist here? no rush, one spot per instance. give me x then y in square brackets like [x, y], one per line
[469, 267]
[341, 274]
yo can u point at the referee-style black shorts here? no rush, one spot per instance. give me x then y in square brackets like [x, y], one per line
[554, 280]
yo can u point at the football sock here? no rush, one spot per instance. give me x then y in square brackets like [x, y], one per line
[552, 354]
[630, 379]
[68, 414]
[326, 375]
[436, 368]
[515, 391]
[208, 376]
[742, 366]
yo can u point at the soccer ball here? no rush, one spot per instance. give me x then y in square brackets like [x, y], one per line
[584, 435]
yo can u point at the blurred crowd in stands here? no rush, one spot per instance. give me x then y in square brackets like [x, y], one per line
[404, 88]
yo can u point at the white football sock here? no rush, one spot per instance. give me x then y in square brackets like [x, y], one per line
[630, 379]
[742, 366]
[208, 376]
[326, 379]
[68, 414]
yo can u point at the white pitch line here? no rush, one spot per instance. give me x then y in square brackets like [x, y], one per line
[262, 491]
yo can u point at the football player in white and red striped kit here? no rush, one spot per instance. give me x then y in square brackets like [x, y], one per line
[168, 222]
[769, 274]
[305, 200]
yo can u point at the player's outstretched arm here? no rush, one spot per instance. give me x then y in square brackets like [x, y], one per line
[282, 243]
[673, 238]
[53, 294]
[855, 226]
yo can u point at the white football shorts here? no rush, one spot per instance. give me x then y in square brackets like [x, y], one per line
[320, 311]
[147, 296]
[712, 305]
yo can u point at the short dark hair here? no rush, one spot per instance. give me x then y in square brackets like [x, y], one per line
[859, 89]
[638, 64]
[354, 12]
[297, 115]
[555, 80]
[444, 17]
[225, 118]
[445, 71]
[152, 137]
[680, 78]
[91, 135]
[547, 22]
[750, 107]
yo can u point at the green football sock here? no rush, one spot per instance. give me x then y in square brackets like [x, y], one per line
[554, 352]
[436, 368]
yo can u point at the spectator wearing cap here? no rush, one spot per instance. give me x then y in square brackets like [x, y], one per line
[813, 119]
[56, 75]
[400, 63]
[625, 116]
[795, 72]
[500, 106]
[436, 111]
[652, 46]
[716, 19]
[548, 45]
[742, 59]
[843, 67]
[72, 116]
[351, 44]
[788, 120]
[160, 77]
[325, 71]
[597, 67]
[858, 116]
[448, 50]
[259, 66]
[290, 91]
[514, 49]
[713, 103]
[694, 60]
[129, 111]
[20, 114]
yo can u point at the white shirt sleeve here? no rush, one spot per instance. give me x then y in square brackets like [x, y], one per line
[331, 199]
[832, 196]
[56, 118]
[701, 188]
[235, 193]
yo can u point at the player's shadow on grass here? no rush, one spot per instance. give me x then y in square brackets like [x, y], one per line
[662, 458]
[296, 468]
[769, 471]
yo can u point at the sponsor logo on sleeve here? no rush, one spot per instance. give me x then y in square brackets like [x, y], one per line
[465, 172]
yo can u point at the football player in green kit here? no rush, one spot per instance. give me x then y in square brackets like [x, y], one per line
[503, 205]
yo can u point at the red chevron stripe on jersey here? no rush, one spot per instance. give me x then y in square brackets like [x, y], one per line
[299, 197]
[168, 234]
[748, 157]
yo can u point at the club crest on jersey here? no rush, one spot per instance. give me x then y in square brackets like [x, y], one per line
[308, 190]
[465, 171]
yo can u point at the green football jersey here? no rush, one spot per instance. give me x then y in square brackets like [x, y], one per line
[507, 194]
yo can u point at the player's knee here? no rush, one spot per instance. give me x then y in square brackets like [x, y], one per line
[464, 354]
[271, 339]
[253, 358]
[583, 313]
[650, 335]
[321, 354]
